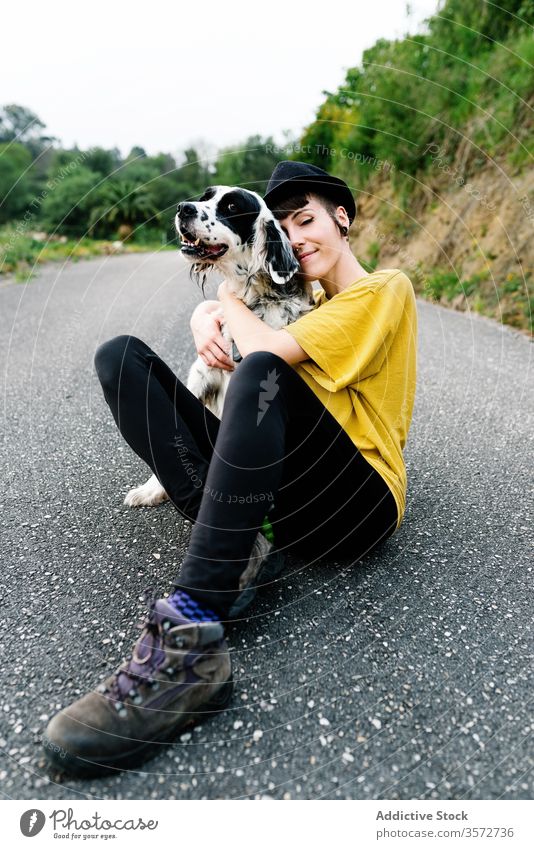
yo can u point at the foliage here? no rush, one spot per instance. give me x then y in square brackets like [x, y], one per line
[510, 301]
[21, 251]
[15, 181]
[250, 165]
[122, 203]
[469, 79]
[75, 192]
[67, 205]
[17, 123]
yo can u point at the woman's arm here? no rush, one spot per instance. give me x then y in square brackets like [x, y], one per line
[250, 333]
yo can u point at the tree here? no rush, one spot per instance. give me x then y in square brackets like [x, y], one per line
[15, 180]
[250, 165]
[101, 161]
[68, 203]
[122, 205]
[136, 153]
[17, 123]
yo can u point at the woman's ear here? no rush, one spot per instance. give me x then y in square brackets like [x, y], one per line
[272, 251]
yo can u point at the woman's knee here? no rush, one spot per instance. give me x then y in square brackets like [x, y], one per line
[260, 358]
[258, 364]
[257, 371]
[110, 357]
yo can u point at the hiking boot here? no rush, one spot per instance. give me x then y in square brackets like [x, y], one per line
[179, 674]
[265, 564]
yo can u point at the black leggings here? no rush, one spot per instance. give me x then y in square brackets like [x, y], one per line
[276, 448]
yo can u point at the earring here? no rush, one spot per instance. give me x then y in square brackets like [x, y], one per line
[345, 230]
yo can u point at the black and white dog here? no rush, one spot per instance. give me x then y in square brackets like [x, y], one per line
[232, 230]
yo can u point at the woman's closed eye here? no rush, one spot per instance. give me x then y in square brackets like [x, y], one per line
[307, 221]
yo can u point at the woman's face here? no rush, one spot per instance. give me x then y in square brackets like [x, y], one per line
[315, 239]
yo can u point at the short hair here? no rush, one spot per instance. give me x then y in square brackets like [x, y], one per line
[291, 204]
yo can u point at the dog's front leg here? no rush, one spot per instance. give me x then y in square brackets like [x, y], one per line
[209, 383]
[209, 386]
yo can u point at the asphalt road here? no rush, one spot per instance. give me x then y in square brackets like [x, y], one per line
[407, 676]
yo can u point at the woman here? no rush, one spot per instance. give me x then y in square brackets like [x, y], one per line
[314, 424]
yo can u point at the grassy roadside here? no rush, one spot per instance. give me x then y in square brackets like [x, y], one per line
[508, 301]
[21, 253]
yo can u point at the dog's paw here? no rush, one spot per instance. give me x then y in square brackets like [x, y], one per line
[147, 495]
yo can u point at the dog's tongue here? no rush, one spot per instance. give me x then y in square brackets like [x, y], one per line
[212, 249]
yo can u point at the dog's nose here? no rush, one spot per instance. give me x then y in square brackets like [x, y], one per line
[186, 210]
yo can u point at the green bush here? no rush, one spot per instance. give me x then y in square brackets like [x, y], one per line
[440, 283]
[20, 252]
[68, 201]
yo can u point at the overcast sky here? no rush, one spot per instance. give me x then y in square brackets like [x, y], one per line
[164, 75]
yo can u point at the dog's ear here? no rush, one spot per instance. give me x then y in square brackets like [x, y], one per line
[273, 252]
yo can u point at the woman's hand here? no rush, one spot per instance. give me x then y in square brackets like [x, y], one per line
[211, 345]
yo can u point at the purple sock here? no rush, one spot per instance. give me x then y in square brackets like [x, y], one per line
[191, 608]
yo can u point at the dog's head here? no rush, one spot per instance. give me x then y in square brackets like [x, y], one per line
[233, 228]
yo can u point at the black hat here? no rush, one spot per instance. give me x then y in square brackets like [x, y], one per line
[289, 178]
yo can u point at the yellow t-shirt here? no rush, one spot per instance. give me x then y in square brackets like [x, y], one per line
[362, 344]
